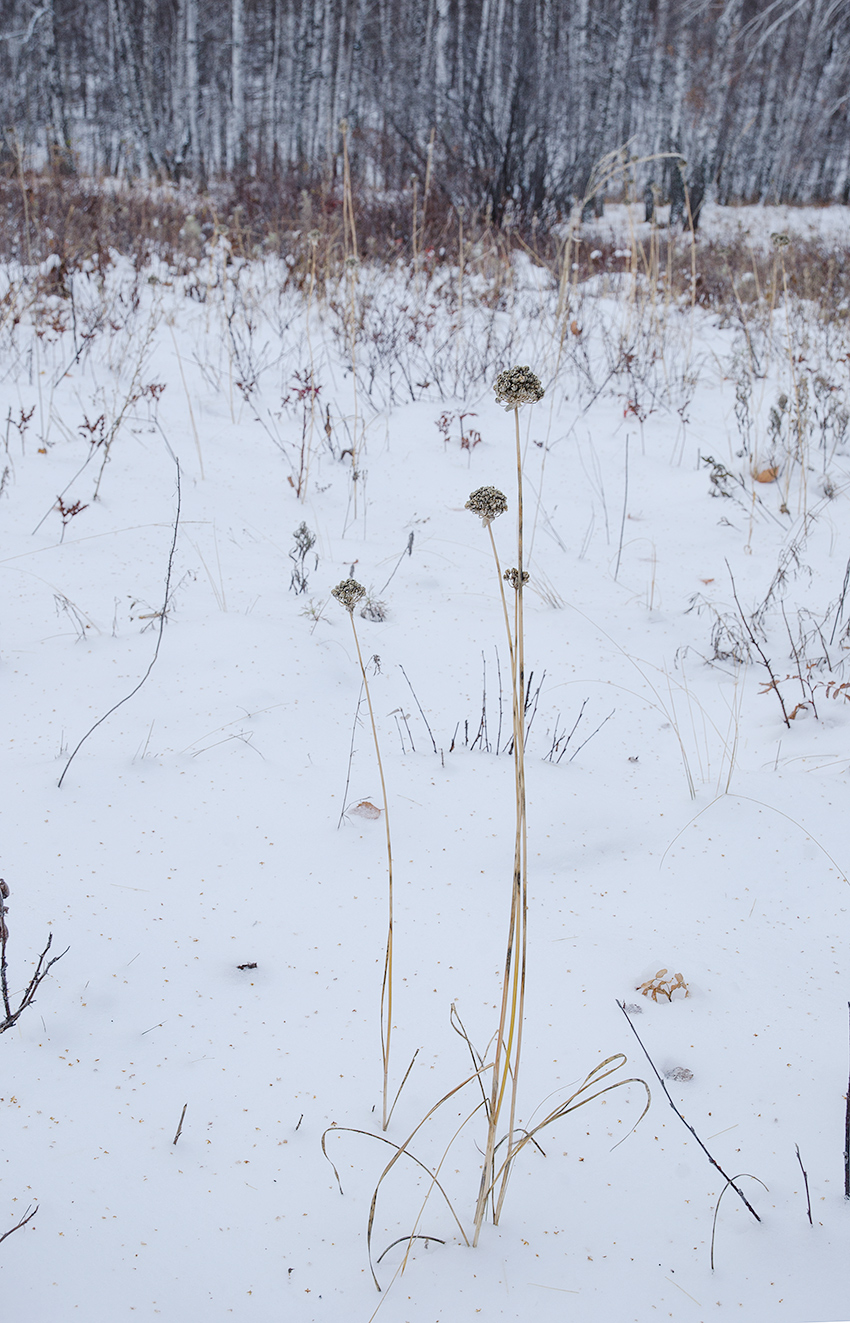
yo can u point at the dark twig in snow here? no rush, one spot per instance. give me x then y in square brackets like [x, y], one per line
[729, 1179]
[162, 616]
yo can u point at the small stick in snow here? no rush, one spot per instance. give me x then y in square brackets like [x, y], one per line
[806, 1179]
[30, 1213]
[180, 1123]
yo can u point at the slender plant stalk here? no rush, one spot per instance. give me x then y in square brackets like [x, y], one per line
[521, 846]
[508, 1049]
[387, 983]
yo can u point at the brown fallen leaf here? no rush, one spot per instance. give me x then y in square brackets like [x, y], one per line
[366, 810]
[767, 475]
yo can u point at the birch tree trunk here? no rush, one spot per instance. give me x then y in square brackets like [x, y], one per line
[236, 157]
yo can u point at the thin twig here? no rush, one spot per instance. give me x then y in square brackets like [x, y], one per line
[625, 504]
[572, 732]
[419, 705]
[806, 1181]
[39, 975]
[180, 1123]
[759, 649]
[591, 735]
[30, 1213]
[713, 1161]
[840, 608]
[408, 551]
[350, 757]
[162, 616]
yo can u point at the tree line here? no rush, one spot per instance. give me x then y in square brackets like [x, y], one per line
[509, 104]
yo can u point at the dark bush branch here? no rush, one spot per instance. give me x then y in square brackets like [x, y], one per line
[28, 1215]
[729, 1179]
[42, 969]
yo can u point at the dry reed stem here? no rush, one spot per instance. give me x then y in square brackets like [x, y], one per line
[509, 1045]
[387, 982]
[521, 846]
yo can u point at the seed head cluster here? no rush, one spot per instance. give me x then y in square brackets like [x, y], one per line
[488, 502]
[348, 593]
[516, 386]
[512, 576]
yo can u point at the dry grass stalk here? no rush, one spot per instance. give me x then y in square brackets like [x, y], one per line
[348, 593]
[515, 387]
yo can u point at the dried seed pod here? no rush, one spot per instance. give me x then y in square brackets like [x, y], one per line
[516, 386]
[348, 593]
[512, 577]
[488, 502]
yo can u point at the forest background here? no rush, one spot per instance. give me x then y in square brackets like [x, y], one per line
[508, 104]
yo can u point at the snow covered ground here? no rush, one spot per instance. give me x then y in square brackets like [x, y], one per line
[222, 902]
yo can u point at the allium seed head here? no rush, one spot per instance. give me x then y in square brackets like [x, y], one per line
[512, 577]
[348, 593]
[516, 386]
[488, 502]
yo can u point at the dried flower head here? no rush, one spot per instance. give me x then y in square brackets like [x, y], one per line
[780, 240]
[516, 386]
[348, 593]
[512, 577]
[488, 502]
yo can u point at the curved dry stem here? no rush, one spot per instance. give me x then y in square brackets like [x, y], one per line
[401, 1149]
[729, 1181]
[477, 1059]
[393, 1244]
[351, 1130]
[434, 1181]
[570, 1105]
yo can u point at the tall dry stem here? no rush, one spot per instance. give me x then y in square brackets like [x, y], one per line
[514, 388]
[348, 594]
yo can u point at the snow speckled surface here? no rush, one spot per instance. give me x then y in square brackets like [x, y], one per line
[202, 827]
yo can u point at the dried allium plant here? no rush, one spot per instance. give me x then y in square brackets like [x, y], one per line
[348, 593]
[514, 387]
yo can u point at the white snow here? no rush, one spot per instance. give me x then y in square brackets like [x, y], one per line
[206, 825]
